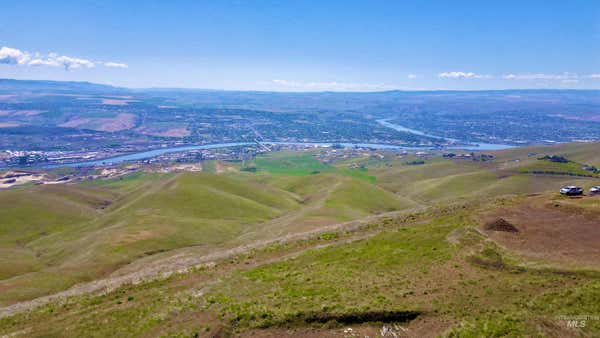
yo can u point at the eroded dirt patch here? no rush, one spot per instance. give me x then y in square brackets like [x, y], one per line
[116, 102]
[500, 224]
[120, 122]
[550, 232]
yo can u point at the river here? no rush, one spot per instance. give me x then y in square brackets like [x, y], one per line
[156, 152]
[468, 146]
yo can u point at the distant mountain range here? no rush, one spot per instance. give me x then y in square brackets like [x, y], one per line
[56, 86]
[89, 87]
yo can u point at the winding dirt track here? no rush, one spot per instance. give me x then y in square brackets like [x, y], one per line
[181, 262]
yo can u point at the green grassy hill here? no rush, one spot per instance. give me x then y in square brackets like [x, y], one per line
[579, 152]
[28, 215]
[428, 259]
[430, 273]
[65, 234]
[72, 233]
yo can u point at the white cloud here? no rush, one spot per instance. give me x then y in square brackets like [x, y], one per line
[115, 65]
[541, 76]
[67, 62]
[13, 56]
[463, 75]
[333, 86]
[412, 76]
[17, 57]
[594, 76]
[42, 62]
[569, 81]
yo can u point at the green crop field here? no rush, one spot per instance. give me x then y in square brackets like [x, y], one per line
[300, 164]
[291, 164]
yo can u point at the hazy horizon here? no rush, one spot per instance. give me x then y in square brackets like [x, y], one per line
[308, 91]
[305, 46]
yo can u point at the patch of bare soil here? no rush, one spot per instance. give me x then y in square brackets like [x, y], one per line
[175, 132]
[181, 131]
[222, 167]
[74, 123]
[420, 327]
[120, 122]
[500, 224]
[549, 232]
[115, 102]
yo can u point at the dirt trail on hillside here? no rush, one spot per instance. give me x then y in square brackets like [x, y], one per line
[181, 262]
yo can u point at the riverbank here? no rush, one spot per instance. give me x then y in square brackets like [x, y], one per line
[143, 155]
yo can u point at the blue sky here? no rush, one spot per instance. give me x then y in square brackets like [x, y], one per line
[305, 45]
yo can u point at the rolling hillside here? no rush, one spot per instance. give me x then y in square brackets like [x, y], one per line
[431, 273]
[65, 234]
[285, 235]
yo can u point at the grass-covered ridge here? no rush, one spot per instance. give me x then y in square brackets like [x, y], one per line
[431, 267]
[58, 235]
